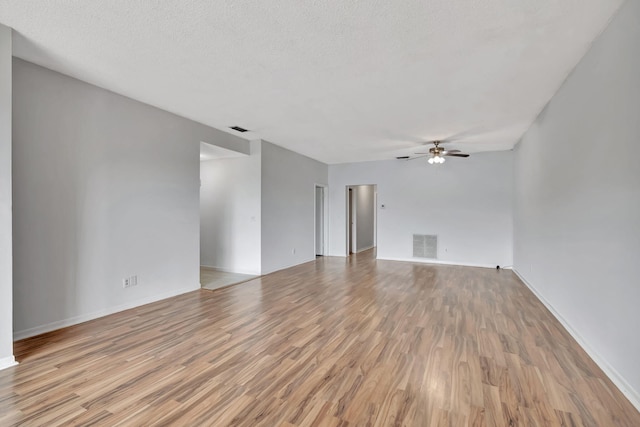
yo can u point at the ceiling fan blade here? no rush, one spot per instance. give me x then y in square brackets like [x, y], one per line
[450, 151]
[418, 157]
[402, 157]
[456, 155]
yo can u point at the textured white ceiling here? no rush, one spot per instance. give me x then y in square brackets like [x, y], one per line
[335, 80]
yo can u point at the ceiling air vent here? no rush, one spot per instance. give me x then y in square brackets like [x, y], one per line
[425, 246]
[239, 129]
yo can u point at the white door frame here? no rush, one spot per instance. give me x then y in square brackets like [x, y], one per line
[325, 218]
[351, 217]
[375, 216]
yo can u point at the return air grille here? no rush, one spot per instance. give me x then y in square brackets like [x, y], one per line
[425, 246]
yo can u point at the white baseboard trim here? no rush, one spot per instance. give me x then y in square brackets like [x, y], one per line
[435, 261]
[264, 273]
[59, 324]
[365, 249]
[617, 379]
[7, 362]
[229, 270]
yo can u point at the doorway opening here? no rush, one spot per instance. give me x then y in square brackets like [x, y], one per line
[321, 229]
[361, 218]
[229, 217]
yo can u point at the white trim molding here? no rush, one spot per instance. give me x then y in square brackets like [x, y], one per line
[7, 362]
[435, 261]
[231, 270]
[615, 377]
[41, 329]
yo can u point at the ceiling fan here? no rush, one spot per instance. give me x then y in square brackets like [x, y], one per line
[436, 154]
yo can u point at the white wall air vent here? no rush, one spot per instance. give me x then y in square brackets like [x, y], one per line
[425, 246]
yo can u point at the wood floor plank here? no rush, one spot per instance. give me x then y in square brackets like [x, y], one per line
[335, 342]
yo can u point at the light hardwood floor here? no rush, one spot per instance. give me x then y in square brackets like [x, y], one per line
[327, 343]
[212, 279]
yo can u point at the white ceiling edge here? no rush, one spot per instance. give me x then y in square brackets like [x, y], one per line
[335, 81]
[214, 152]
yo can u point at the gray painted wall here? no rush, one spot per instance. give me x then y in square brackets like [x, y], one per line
[230, 213]
[6, 275]
[577, 202]
[466, 202]
[288, 199]
[105, 187]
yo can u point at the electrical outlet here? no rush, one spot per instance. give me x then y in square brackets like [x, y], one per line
[130, 281]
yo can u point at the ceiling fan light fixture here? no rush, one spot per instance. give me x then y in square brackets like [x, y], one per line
[436, 154]
[436, 160]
